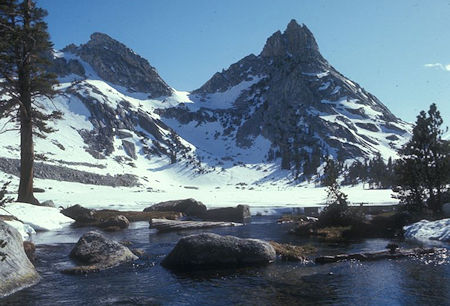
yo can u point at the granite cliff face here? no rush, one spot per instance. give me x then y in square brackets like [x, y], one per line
[290, 95]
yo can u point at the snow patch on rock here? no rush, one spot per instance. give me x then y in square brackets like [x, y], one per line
[433, 230]
[24, 229]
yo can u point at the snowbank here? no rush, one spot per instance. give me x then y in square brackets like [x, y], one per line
[434, 230]
[38, 217]
[24, 229]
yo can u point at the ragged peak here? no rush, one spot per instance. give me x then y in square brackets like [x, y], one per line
[116, 63]
[297, 40]
[104, 40]
[97, 36]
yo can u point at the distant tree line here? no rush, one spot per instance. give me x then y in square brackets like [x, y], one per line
[377, 173]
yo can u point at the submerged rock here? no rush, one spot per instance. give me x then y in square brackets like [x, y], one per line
[16, 270]
[240, 214]
[212, 250]
[189, 207]
[96, 252]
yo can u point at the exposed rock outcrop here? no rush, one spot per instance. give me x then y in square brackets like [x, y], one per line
[189, 207]
[79, 214]
[118, 64]
[240, 214]
[16, 270]
[211, 250]
[47, 171]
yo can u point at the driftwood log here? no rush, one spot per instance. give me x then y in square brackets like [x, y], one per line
[370, 256]
[164, 225]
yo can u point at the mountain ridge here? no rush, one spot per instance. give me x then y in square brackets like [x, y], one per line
[268, 117]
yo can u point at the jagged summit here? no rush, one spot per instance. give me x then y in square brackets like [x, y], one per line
[290, 96]
[297, 40]
[116, 63]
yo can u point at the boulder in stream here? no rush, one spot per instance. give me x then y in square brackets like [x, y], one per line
[212, 250]
[96, 252]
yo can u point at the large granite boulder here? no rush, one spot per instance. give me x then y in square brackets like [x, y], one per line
[96, 252]
[16, 270]
[240, 214]
[189, 207]
[212, 250]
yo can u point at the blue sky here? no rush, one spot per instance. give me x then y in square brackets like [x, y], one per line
[397, 50]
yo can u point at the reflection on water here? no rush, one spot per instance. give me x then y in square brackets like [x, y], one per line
[401, 282]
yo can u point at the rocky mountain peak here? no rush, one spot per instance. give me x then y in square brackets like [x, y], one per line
[297, 40]
[116, 63]
[100, 38]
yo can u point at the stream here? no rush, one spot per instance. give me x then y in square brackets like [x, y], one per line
[419, 281]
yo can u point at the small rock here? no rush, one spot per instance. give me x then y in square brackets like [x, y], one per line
[138, 252]
[48, 203]
[30, 250]
[120, 222]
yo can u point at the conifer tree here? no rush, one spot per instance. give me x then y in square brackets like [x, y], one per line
[331, 174]
[24, 51]
[423, 171]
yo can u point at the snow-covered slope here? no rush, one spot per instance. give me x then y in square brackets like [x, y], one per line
[250, 128]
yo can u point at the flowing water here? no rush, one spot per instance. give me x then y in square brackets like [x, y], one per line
[411, 281]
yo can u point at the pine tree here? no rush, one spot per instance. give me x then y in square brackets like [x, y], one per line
[336, 213]
[422, 171]
[331, 174]
[24, 49]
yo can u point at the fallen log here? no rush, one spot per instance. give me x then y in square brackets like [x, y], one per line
[164, 225]
[371, 256]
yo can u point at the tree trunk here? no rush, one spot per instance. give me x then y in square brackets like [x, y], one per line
[25, 193]
[26, 162]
